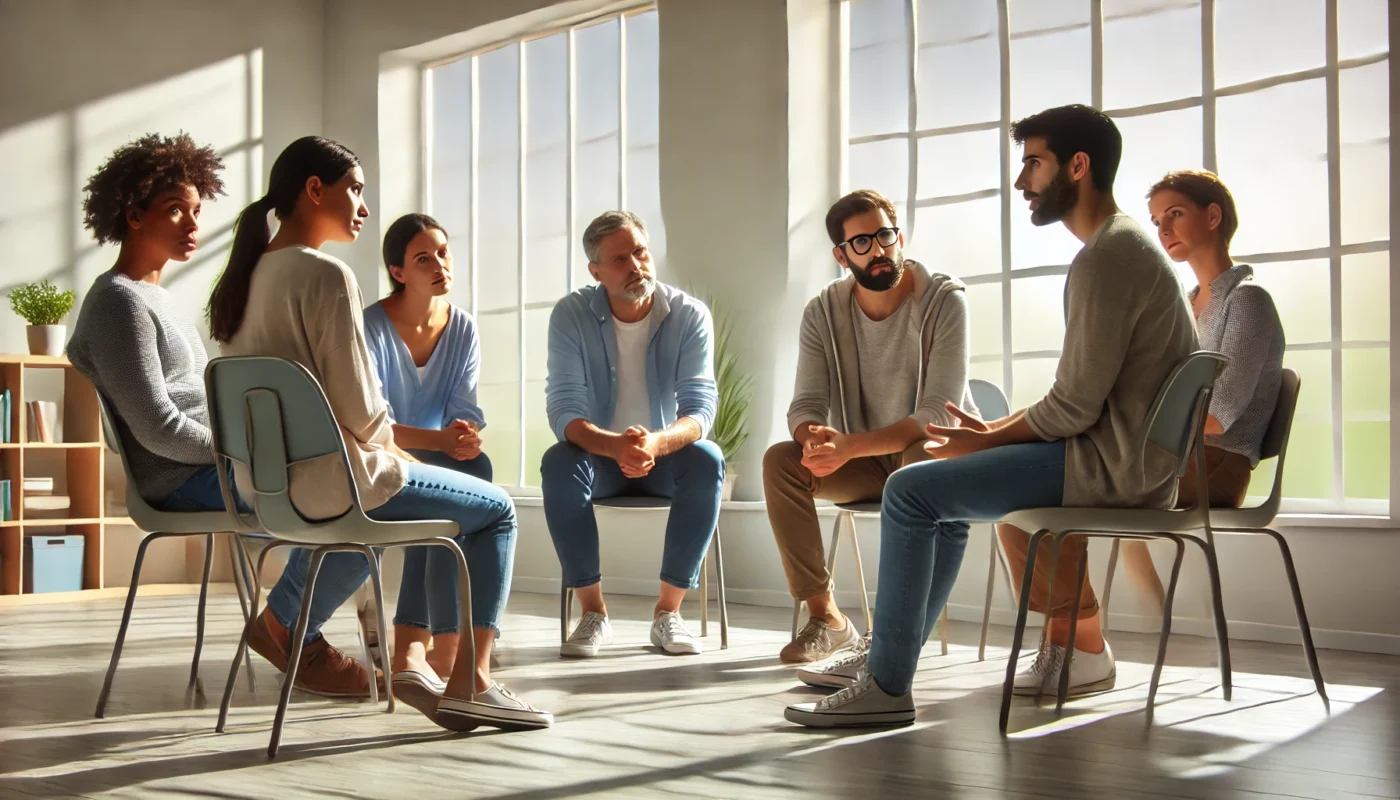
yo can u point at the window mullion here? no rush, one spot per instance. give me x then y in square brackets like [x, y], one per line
[622, 113]
[1004, 45]
[570, 143]
[911, 18]
[523, 132]
[1334, 260]
[1208, 85]
[474, 184]
[1096, 53]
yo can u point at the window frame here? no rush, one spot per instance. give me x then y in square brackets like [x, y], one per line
[1336, 505]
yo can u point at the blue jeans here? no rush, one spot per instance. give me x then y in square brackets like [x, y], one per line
[572, 478]
[486, 519]
[923, 532]
[200, 492]
[434, 568]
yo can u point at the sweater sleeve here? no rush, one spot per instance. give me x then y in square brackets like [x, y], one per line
[945, 380]
[1250, 320]
[126, 359]
[811, 396]
[1099, 318]
[335, 330]
[462, 405]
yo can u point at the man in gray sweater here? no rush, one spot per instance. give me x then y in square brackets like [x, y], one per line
[882, 352]
[1084, 444]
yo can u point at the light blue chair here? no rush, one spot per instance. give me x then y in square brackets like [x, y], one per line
[268, 414]
[1176, 423]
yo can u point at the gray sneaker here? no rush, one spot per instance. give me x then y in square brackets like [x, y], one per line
[860, 704]
[593, 632]
[816, 641]
[839, 671]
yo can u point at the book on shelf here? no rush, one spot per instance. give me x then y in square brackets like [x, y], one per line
[5, 401]
[43, 485]
[43, 420]
[47, 506]
[5, 513]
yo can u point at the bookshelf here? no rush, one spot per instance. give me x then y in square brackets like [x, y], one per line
[83, 456]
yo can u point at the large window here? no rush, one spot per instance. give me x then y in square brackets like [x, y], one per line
[1287, 100]
[527, 142]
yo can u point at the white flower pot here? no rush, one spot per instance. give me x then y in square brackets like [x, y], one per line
[47, 340]
[729, 477]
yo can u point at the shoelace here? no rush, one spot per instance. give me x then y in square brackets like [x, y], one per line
[590, 626]
[509, 695]
[1048, 660]
[863, 681]
[857, 652]
[674, 628]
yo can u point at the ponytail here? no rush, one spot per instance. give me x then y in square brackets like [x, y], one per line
[303, 159]
[229, 299]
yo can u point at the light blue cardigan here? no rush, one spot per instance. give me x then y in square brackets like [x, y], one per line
[447, 390]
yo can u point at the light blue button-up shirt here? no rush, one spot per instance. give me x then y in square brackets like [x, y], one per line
[582, 382]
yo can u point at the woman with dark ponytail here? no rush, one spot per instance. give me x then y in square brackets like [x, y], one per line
[282, 296]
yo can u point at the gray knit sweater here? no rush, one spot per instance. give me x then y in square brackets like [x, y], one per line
[147, 360]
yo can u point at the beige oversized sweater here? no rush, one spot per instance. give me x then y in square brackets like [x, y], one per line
[305, 306]
[1127, 326]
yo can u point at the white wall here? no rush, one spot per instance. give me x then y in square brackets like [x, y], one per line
[750, 159]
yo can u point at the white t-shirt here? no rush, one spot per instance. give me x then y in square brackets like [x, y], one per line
[633, 399]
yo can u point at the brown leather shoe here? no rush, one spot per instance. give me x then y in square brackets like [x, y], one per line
[323, 669]
[327, 671]
[271, 640]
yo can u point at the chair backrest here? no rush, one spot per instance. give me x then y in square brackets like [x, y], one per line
[1178, 414]
[991, 401]
[267, 414]
[1280, 429]
[136, 506]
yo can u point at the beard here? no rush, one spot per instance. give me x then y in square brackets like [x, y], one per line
[885, 280]
[1056, 201]
[640, 289]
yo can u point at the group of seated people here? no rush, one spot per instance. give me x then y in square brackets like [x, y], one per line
[881, 409]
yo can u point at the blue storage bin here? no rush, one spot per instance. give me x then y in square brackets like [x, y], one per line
[53, 564]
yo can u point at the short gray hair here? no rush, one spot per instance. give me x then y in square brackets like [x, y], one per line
[606, 224]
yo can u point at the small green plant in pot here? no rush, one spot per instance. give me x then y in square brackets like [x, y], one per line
[43, 306]
[731, 428]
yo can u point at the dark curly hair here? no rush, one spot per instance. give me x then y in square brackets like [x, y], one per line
[139, 171]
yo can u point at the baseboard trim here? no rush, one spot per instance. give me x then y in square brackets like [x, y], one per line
[1357, 641]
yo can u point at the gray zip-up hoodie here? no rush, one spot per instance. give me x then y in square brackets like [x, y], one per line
[828, 372]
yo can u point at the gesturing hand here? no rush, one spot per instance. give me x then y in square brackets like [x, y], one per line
[968, 434]
[635, 456]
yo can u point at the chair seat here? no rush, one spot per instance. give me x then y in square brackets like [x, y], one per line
[1108, 520]
[633, 501]
[862, 507]
[150, 520]
[374, 533]
[1256, 517]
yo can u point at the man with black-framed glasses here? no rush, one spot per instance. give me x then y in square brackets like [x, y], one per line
[882, 352]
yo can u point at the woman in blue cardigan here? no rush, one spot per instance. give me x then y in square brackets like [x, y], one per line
[428, 357]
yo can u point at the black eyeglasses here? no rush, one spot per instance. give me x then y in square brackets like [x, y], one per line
[860, 245]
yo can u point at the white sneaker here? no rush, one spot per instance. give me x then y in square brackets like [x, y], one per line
[1088, 672]
[669, 634]
[862, 703]
[497, 707]
[593, 631]
[840, 670]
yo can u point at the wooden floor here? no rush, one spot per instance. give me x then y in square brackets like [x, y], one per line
[638, 723]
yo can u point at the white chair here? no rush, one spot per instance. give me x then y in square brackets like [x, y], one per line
[1176, 423]
[157, 524]
[566, 595]
[1257, 519]
[268, 414]
[991, 404]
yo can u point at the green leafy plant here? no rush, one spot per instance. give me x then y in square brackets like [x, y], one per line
[731, 428]
[42, 303]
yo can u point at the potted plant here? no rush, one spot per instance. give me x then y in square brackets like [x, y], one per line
[731, 428]
[43, 306]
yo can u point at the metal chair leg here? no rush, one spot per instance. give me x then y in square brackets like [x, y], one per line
[294, 658]
[943, 629]
[376, 575]
[126, 621]
[860, 573]
[719, 589]
[1073, 628]
[987, 604]
[1303, 627]
[242, 651]
[245, 568]
[830, 571]
[1018, 633]
[566, 611]
[1108, 585]
[1222, 633]
[203, 601]
[459, 676]
[705, 596]
[1166, 631]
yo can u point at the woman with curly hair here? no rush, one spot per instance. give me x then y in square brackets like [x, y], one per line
[133, 342]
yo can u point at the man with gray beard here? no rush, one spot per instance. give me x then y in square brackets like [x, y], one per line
[630, 395]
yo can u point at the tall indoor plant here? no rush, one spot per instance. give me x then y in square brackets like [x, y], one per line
[731, 428]
[43, 306]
